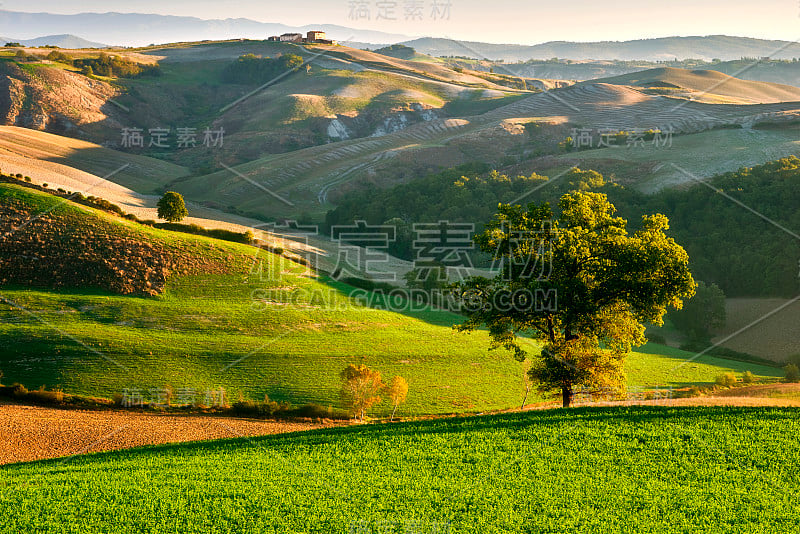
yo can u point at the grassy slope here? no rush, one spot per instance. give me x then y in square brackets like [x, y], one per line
[19, 146]
[584, 470]
[203, 323]
[710, 82]
[292, 333]
[649, 168]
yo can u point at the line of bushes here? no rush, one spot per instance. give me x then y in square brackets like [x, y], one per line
[104, 205]
[217, 233]
[45, 397]
[270, 408]
[243, 408]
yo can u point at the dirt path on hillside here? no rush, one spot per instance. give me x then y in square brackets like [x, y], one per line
[34, 433]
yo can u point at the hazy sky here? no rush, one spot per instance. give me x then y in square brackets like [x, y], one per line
[507, 21]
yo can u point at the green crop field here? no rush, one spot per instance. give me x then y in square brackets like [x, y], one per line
[268, 327]
[636, 469]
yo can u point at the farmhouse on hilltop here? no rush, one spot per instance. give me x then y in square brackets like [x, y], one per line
[311, 37]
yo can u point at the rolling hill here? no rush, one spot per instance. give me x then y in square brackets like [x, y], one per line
[357, 119]
[706, 85]
[688, 158]
[786, 72]
[22, 150]
[233, 316]
[309, 175]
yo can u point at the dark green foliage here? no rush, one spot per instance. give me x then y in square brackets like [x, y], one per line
[171, 207]
[60, 57]
[792, 373]
[702, 313]
[252, 69]
[397, 50]
[730, 247]
[107, 65]
[699, 346]
[430, 278]
[217, 233]
[369, 285]
[266, 408]
[461, 194]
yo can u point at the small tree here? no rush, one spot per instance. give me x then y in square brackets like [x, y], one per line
[361, 387]
[397, 391]
[748, 377]
[171, 207]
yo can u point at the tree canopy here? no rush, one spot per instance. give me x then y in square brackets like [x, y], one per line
[580, 282]
[171, 207]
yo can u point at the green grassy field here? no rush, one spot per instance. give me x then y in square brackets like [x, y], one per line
[635, 469]
[268, 327]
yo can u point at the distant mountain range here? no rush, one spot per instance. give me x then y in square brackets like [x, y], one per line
[61, 41]
[135, 29]
[665, 48]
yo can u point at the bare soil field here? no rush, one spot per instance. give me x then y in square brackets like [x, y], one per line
[775, 337]
[34, 433]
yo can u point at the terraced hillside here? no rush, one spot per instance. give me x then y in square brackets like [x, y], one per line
[252, 322]
[309, 175]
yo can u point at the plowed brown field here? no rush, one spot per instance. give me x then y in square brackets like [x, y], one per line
[34, 433]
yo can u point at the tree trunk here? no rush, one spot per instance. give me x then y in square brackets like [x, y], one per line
[395, 409]
[566, 396]
[527, 390]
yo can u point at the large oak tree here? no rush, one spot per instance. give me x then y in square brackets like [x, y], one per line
[578, 281]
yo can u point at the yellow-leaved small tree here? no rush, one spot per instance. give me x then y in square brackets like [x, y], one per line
[361, 387]
[397, 391]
